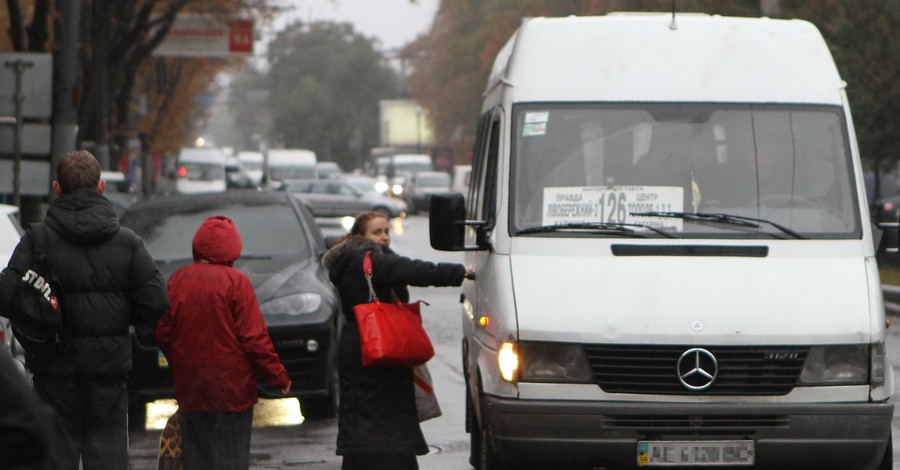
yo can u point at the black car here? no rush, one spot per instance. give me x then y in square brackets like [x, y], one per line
[282, 250]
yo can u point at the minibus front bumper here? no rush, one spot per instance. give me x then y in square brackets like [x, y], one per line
[544, 433]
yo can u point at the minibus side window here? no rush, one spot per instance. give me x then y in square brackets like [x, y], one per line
[478, 166]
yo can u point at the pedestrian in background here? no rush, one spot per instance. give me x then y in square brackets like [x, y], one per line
[378, 425]
[108, 281]
[216, 341]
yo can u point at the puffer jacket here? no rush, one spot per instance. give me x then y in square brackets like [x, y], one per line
[214, 334]
[108, 282]
[378, 406]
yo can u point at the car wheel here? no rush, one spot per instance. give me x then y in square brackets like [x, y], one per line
[137, 416]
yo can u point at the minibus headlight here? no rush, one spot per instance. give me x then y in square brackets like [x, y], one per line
[553, 362]
[397, 190]
[836, 365]
[508, 360]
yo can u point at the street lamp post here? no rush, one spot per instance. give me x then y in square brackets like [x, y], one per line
[419, 129]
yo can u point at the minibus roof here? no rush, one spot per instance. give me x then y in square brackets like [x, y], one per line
[642, 57]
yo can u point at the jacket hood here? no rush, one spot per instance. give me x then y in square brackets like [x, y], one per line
[83, 216]
[335, 259]
[217, 241]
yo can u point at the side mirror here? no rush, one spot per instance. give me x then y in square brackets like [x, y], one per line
[888, 241]
[447, 223]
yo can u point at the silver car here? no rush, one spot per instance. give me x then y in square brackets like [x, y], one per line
[339, 198]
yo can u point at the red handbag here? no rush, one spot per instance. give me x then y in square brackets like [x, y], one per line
[390, 333]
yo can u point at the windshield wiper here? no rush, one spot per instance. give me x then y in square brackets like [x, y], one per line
[723, 219]
[600, 227]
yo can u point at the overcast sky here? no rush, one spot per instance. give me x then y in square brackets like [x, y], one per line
[394, 23]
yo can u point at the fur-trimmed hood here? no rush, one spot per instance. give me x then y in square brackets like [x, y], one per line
[335, 259]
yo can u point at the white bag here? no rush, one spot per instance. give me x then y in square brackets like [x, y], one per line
[426, 401]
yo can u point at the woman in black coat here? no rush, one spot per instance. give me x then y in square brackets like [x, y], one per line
[378, 427]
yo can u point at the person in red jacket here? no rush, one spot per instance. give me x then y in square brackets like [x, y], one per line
[216, 341]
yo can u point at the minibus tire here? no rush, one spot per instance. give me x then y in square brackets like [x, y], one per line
[487, 456]
[887, 460]
[474, 432]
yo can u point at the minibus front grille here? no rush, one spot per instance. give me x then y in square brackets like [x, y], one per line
[770, 370]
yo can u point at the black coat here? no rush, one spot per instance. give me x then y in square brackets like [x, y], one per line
[108, 282]
[377, 404]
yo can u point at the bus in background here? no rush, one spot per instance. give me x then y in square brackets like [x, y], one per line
[201, 170]
[287, 164]
[252, 164]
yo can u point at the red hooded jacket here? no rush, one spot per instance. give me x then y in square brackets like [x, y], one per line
[213, 334]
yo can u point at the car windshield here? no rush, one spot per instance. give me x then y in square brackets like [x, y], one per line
[364, 184]
[266, 230]
[292, 172]
[202, 171]
[252, 166]
[789, 165]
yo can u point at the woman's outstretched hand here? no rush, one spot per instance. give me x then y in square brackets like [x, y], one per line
[470, 274]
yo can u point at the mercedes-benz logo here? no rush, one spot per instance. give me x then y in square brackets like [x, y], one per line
[697, 369]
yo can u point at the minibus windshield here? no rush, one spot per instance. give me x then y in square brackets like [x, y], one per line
[586, 163]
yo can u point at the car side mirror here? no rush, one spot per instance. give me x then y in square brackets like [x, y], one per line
[887, 239]
[447, 223]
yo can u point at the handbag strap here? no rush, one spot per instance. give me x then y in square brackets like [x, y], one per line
[367, 271]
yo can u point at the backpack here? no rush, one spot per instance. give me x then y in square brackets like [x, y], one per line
[35, 313]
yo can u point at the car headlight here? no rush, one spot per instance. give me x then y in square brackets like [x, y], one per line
[381, 187]
[553, 362]
[836, 365]
[508, 361]
[544, 362]
[397, 190]
[294, 304]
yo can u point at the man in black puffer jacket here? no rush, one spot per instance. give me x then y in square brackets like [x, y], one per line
[108, 281]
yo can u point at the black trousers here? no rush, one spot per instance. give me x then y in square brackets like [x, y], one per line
[218, 441]
[92, 418]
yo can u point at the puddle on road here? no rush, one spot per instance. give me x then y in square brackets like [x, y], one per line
[275, 412]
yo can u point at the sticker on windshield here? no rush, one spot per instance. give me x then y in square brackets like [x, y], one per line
[535, 123]
[613, 204]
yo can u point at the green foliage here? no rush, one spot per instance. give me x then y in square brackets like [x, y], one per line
[324, 85]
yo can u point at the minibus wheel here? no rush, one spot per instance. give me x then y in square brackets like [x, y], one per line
[887, 461]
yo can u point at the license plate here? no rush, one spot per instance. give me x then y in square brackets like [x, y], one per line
[695, 453]
[161, 360]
